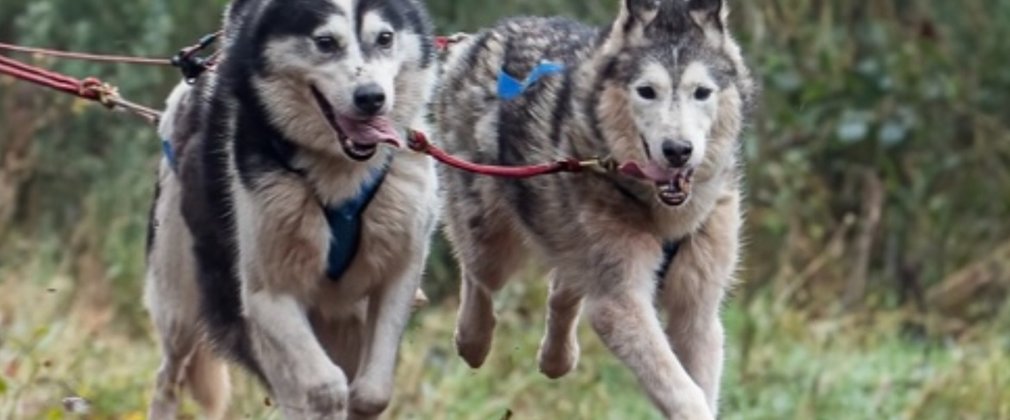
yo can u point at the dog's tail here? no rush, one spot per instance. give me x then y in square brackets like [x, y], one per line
[208, 382]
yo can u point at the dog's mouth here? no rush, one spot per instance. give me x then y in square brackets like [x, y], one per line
[673, 186]
[360, 138]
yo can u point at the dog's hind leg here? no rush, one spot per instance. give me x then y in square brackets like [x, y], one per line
[343, 339]
[177, 345]
[619, 305]
[208, 382]
[559, 349]
[489, 252]
[171, 295]
[697, 281]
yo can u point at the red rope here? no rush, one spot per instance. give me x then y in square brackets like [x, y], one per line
[95, 90]
[418, 142]
[45, 78]
[90, 88]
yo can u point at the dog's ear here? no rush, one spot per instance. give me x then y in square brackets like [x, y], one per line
[711, 17]
[634, 17]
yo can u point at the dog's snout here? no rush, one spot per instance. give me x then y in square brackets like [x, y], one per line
[677, 152]
[369, 99]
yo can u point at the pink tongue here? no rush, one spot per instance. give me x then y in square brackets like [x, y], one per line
[370, 132]
[650, 172]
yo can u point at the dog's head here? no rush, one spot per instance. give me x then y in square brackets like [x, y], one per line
[339, 76]
[672, 90]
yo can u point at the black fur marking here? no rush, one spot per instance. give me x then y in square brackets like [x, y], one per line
[262, 149]
[712, 10]
[670, 250]
[629, 24]
[645, 146]
[404, 16]
[562, 109]
[475, 222]
[472, 59]
[292, 18]
[152, 222]
[592, 105]
[208, 214]
[624, 187]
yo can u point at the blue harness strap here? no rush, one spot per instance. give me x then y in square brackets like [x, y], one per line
[670, 249]
[345, 224]
[169, 152]
[509, 87]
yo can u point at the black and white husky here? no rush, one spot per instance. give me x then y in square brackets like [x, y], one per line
[286, 236]
[663, 89]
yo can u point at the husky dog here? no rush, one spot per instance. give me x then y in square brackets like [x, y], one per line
[283, 235]
[663, 89]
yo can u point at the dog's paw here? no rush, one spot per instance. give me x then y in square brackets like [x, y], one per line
[691, 406]
[473, 348]
[420, 300]
[326, 401]
[557, 359]
[368, 401]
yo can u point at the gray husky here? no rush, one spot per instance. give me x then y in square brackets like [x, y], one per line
[663, 89]
[284, 235]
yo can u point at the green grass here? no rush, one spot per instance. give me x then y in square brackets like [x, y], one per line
[781, 365]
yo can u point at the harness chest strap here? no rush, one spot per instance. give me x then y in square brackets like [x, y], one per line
[169, 152]
[345, 223]
[670, 250]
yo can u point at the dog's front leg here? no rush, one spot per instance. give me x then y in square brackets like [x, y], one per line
[697, 282]
[282, 236]
[619, 307]
[388, 312]
[306, 384]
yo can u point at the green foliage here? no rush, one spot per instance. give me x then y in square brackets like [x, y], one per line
[897, 91]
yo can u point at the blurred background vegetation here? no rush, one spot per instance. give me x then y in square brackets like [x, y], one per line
[878, 256]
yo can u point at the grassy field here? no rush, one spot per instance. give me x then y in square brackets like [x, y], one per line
[785, 366]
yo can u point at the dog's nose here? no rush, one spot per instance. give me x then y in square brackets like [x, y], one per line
[677, 152]
[369, 98]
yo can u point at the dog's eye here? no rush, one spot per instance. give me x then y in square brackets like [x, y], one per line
[702, 93]
[385, 39]
[326, 44]
[646, 92]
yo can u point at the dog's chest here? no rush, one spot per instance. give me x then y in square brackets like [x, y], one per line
[345, 222]
[387, 236]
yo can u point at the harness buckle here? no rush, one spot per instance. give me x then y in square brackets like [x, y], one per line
[600, 165]
[189, 64]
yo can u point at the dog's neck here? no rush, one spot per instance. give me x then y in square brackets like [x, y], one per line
[335, 179]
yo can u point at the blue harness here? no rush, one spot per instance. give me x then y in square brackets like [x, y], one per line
[345, 224]
[509, 87]
[344, 218]
[169, 152]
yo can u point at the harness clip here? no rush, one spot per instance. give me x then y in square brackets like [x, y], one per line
[189, 63]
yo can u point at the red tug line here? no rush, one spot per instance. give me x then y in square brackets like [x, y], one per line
[93, 89]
